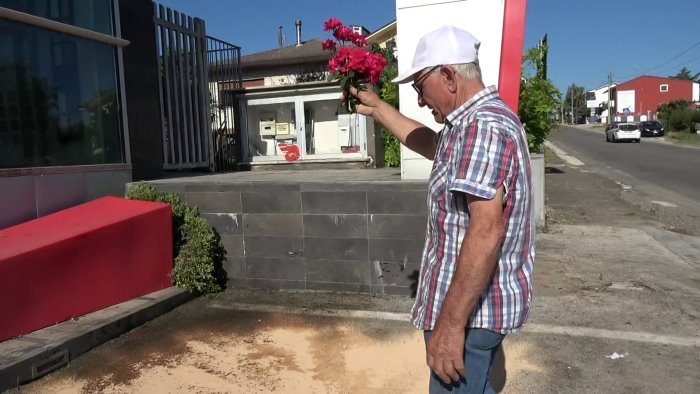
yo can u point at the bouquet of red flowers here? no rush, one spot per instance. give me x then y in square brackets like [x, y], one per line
[353, 64]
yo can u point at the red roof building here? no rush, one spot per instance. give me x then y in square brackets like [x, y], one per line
[642, 95]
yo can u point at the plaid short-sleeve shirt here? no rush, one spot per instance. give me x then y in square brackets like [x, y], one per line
[482, 147]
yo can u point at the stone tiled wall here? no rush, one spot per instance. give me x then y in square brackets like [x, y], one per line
[359, 237]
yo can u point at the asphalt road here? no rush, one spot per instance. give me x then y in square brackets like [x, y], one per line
[661, 171]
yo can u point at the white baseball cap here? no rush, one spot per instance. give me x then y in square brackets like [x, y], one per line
[446, 45]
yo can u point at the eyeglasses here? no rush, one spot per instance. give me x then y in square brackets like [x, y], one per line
[418, 83]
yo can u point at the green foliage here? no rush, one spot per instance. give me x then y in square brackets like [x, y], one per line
[681, 120]
[685, 74]
[197, 247]
[575, 100]
[539, 100]
[389, 92]
[678, 115]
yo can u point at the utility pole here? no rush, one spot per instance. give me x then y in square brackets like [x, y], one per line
[609, 98]
[571, 93]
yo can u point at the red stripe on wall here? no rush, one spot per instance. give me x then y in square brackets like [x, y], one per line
[512, 51]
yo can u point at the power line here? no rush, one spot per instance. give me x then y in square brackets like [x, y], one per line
[673, 58]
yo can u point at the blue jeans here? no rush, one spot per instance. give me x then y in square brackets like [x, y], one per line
[480, 348]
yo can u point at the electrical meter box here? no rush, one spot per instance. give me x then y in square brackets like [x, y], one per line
[267, 124]
[282, 128]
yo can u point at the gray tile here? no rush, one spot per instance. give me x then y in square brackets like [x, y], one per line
[396, 250]
[340, 226]
[224, 223]
[393, 202]
[394, 274]
[275, 284]
[338, 287]
[233, 245]
[278, 247]
[215, 202]
[271, 202]
[271, 268]
[106, 183]
[283, 224]
[17, 200]
[260, 187]
[397, 226]
[337, 271]
[55, 192]
[234, 267]
[236, 283]
[336, 248]
[351, 186]
[334, 202]
[393, 290]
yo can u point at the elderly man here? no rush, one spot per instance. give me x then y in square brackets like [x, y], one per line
[475, 282]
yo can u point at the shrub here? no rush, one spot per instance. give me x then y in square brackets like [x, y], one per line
[197, 247]
[681, 119]
[389, 92]
[538, 100]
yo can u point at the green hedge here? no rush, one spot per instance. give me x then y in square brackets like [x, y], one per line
[197, 247]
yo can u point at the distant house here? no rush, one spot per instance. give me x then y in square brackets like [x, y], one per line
[638, 98]
[288, 114]
[597, 101]
[385, 36]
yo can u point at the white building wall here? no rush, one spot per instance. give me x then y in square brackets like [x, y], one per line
[482, 18]
[696, 92]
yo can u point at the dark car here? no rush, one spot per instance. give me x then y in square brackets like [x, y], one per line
[651, 128]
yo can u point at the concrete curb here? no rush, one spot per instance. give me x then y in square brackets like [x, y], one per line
[31, 356]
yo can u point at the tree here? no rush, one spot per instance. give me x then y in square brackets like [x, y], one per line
[539, 99]
[686, 75]
[575, 102]
[389, 92]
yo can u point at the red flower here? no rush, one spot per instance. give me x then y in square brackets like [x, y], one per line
[332, 24]
[328, 45]
[343, 33]
[359, 40]
[352, 65]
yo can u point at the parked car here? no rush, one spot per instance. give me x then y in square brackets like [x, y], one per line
[651, 128]
[623, 132]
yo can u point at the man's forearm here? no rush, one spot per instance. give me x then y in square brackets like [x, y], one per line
[478, 258]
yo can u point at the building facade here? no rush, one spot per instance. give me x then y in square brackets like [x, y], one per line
[639, 98]
[63, 128]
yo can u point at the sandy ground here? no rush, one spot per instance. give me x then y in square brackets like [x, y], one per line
[228, 351]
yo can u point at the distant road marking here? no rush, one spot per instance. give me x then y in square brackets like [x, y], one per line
[634, 336]
[570, 160]
[534, 328]
[664, 204]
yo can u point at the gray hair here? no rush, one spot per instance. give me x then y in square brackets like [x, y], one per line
[468, 70]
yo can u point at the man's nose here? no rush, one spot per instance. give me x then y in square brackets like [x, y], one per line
[421, 102]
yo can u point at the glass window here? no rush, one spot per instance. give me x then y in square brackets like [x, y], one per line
[271, 129]
[663, 88]
[58, 99]
[95, 15]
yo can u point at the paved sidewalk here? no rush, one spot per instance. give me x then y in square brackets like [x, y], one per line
[608, 280]
[33, 355]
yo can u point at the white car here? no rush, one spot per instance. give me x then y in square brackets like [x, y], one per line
[623, 132]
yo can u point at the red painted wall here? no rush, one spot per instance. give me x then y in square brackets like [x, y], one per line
[81, 260]
[647, 94]
[512, 52]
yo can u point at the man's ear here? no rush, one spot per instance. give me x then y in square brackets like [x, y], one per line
[450, 78]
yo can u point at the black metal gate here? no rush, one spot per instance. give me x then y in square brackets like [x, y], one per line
[224, 65]
[197, 74]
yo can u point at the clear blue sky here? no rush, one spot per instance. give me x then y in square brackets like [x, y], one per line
[587, 39]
